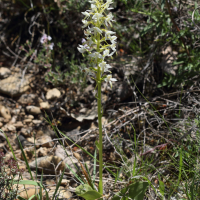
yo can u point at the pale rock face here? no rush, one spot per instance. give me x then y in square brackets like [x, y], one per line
[15, 85]
[53, 94]
[4, 72]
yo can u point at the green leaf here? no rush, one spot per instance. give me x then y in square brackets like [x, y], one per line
[88, 193]
[97, 144]
[161, 186]
[21, 198]
[134, 191]
[29, 182]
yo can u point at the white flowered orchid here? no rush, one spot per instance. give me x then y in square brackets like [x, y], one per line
[106, 53]
[113, 46]
[81, 48]
[96, 30]
[96, 56]
[97, 16]
[86, 23]
[107, 4]
[87, 32]
[104, 67]
[95, 44]
[108, 34]
[112, 39]
[94, 8]
[96, 34]
[110, 79]
[86, 14]
[109, 19]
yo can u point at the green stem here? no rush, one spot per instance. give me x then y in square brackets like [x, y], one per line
[100, 140]
[100, 123]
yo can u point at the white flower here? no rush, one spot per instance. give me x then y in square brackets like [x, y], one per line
[87, 32]
[81, 48]
[92, 1]
[95, 38]
[113, 46]
[49, 38]
[108, 33]
[112, 39]
[110, 79]
[96, 30]
[85, 44]
[83, 40]
[88, 71]
[89, 41]
[96, 55]
[44, 38]
[108, 19]
[51, 46]
[93, 7]
[86, 14]
[85, 22]
[107, 4]
[97, 16]
[104, 67]
[106, 53]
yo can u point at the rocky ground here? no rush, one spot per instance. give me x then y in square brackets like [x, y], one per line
[51, 121]
[30, 108]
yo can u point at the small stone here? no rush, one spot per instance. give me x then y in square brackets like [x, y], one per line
[18, 124]
[52, 94]
[30, 117]
[15, 111]
[26, 132]
[31, 140]
[44, 105]
[65, 182]
[27, 99]
[45, 141]
[37, 121]
[4, 72]
[66, 194]
[27, 121]
[9, 127]
[33, 110]
[42, 151]
[1, 124]
[5, 112]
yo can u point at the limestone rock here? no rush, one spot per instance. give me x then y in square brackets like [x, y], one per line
[42, 151]
[9, 127]
[45, 141]
[37, 121]
[27, 99]
[4, 72]
[5, 112]
[52, 94]
[44, 105]
[34, 110]
[15, 85]
[48, 163]
[18, 124]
